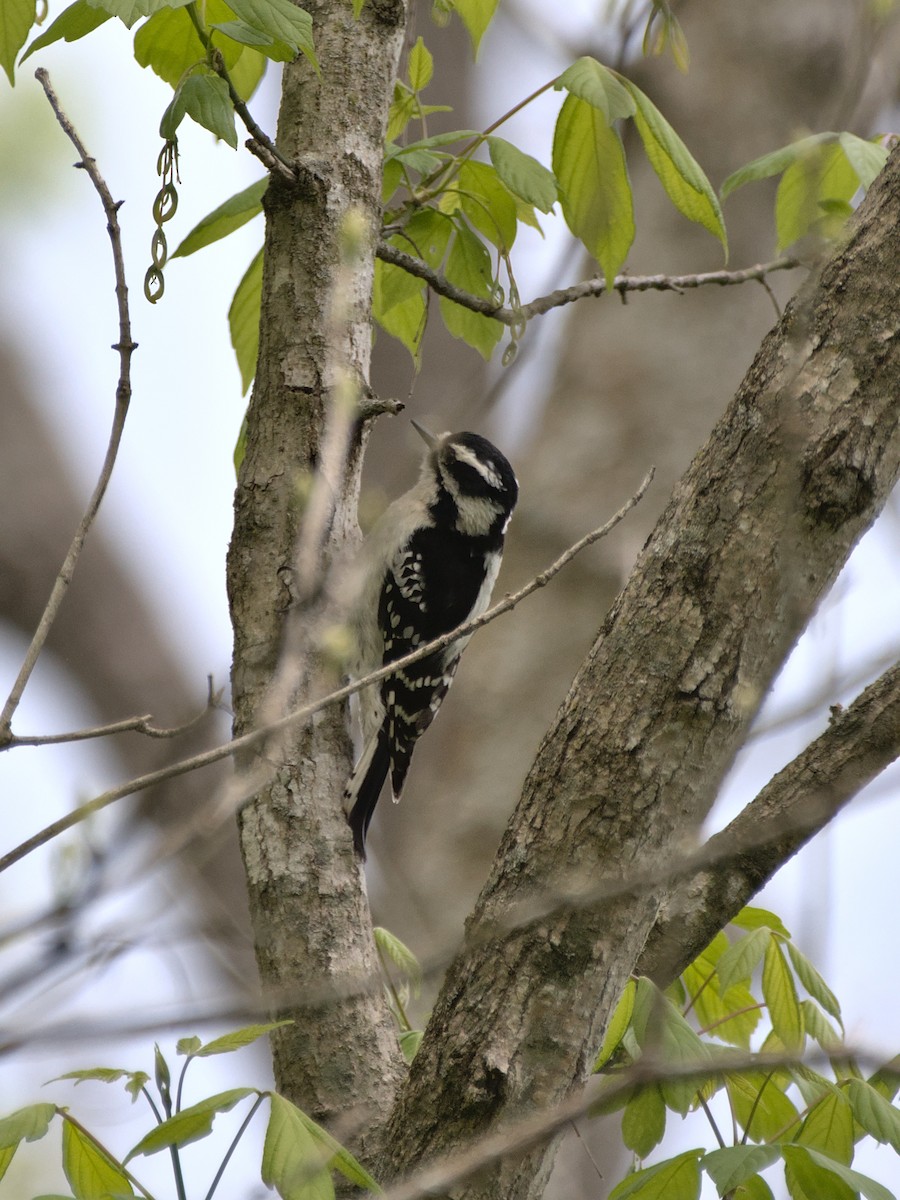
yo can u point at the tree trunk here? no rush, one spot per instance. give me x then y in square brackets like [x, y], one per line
[307, 895]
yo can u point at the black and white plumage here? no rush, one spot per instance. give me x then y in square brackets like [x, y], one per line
[428, 565]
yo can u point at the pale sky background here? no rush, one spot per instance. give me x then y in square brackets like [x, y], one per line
[169, 511]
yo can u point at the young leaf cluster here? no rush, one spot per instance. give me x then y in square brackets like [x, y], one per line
[299, 1157]
[781, 1111]
[394, 953]
[820, 175]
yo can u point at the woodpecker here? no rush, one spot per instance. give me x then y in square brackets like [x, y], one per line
[428, 565]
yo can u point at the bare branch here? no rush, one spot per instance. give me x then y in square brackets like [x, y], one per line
[579, 291]
[143, 725]
[125, 347]
[253, 738]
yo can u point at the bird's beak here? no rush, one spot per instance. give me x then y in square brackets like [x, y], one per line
[429, 438]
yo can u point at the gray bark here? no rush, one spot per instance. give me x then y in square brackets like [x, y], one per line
[307, 895]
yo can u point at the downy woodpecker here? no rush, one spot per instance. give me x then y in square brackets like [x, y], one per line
[428, 565]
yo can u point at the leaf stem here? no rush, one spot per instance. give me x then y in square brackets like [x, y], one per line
[402, 1018]
[446, 174]
[231, 1149]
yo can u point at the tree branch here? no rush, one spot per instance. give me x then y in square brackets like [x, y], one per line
[623, 284]
[143, 725]
[125, 347]
[794, 806]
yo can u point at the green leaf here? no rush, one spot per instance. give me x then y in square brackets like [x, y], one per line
[728, 1016]
[487, 204]
[243, 320]
[886, 1080]
[828, 1126]
[753, 1188]
[752, 917]
[91, 1173]
[599, 87]
[742, 958]
[248, 35]
[168, 43]
[759, 1107]
[814, 194]
[685, 183]
[589, 164]
[733, 1165]
[469, 267]
[675, 1179]
[240, 446]
[248, 71]
[522, 174]
[812, 1169]
[282, 20]
[96, 1074]
[619, 1022]
[26, 1124]
[680, 1046]
[813, 981]
[770, 164]
[72, 23]
[819, 1027]
[476, 15]
[415, 158]
[7, 1154]
[240, 31]
[191, 1124]
[398, 305]
[780, 996]
[129, 11]
[234, 212]
[240, 1038]
[393, 174]
[410, 1041]
[644, 1120]
[188, 1045]
[16, 19]
[866, 158]
[429, 143]
[135, 1080]
[876, 1114]
[293, 1162]
[403, 108]
[388, 943]
[398, 302]
[338, 1157]
[647, 1000]
[205, 98]
[421, 66]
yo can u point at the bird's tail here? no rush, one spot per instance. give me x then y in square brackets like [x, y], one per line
[362, 792]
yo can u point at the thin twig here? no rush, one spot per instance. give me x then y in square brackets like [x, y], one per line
[590, 287]
[259, 136]
[255, 736]
[125, 347]
[142, 725]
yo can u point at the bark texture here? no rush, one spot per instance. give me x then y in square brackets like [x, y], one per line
[792, 475]
[307, 897]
